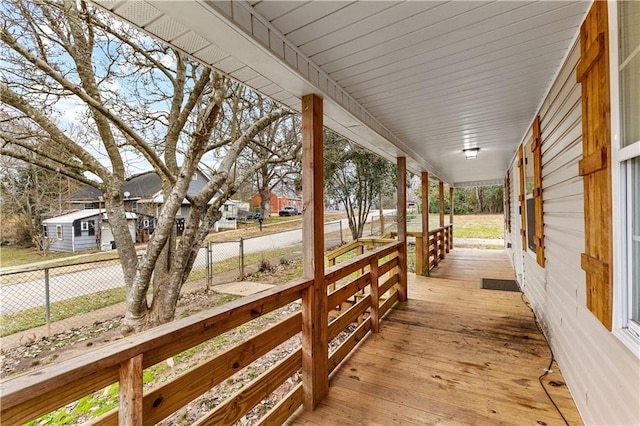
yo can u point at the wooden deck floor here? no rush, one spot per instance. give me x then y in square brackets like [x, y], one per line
[452, 354]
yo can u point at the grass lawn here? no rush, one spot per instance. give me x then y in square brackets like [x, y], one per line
[466, 226]
[15, 256]
[478, 226]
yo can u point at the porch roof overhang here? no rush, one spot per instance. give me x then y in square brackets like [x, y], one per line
[423, 80]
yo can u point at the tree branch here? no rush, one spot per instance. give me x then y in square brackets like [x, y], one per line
[78, 91]
[54, 167]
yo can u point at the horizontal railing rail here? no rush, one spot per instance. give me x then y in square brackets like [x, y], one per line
[34, 394]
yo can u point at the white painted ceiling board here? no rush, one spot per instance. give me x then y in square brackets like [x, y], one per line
[273, 9]
[408, 87]
[337, 20]
[374, 26]
[470, 85]
[440, 26]
[428, 78]
[451, 54]
[307, 14]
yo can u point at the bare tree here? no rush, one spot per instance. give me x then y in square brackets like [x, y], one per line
[30, 193]
[137, 100]
[280, 138]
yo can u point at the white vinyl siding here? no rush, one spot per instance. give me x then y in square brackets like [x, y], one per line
[607, 394]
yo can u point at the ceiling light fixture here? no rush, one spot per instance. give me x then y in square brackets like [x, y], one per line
[471, 153]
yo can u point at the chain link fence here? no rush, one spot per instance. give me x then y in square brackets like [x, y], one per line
[40, 297]
[56, 299]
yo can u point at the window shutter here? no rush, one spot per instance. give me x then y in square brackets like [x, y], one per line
[507, 199]
[595, 166]
[521, 198]
[536, 149]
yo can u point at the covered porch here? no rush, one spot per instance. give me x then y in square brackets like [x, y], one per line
[421, 84]
[453, 353]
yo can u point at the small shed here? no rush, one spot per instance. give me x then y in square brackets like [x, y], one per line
[83, 230]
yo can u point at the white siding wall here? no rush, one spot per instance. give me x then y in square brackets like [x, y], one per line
[602, 374]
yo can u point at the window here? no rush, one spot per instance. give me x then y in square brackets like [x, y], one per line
[84, 226]
[45, 231]
[59, 232]
[627, 160]
[528, 195]
[633, 246]
[533, 193]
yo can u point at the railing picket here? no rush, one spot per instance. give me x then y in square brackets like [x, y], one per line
[375, 297]
[130, 413]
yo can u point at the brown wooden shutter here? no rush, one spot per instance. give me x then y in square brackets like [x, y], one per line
[595, 166]
[521, 198]
[507, 199]
[536, 149]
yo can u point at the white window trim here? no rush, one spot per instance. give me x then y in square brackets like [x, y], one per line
[84, 226]
[620, 265]
[59, 234]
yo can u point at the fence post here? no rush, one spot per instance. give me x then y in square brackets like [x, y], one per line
[372, 225]
[241, 258]
[47, 302]
[341, 239]
[209, 265]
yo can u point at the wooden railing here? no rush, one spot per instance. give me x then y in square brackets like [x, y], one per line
[358, 246]
[440, 243]
[29, 396]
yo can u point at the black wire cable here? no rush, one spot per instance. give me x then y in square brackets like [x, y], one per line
[551, 361]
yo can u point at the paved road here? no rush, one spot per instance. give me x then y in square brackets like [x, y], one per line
[18, 296]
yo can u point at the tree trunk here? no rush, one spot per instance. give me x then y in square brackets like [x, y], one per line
[264, 199]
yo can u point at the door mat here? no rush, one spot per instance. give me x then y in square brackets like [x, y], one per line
[494, 284]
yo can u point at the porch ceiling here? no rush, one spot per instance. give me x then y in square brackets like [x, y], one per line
[421, 79]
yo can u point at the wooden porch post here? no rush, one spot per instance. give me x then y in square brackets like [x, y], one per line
[451, 204]
[443, 242]
[402, 227]
[425, 224]
[315, 383]
[451, 207]
[441, 195]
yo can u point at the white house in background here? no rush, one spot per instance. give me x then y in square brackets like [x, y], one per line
[83, 230]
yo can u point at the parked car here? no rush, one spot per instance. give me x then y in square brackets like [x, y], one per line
[253, 215]
[289, 211]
